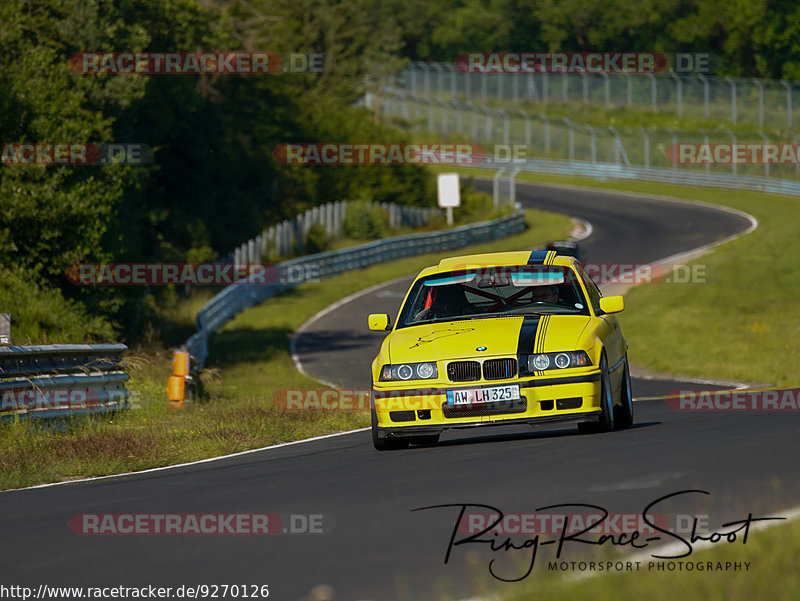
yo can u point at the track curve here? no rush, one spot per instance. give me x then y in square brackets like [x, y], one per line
[380, 549]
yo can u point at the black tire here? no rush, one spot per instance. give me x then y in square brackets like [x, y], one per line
[624, 413]
[606, 421]
[427, 439]
[385, 444]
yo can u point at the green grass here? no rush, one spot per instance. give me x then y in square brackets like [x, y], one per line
[751, 309]
[249, 361]
[742, 324]
[627, 123]
[772, 575]
[598, 115]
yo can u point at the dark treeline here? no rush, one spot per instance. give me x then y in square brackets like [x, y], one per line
[750, 38]
[214, 182]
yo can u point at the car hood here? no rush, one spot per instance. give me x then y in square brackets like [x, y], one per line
[500, 336]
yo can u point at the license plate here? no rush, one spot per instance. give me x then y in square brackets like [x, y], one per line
[472, 396]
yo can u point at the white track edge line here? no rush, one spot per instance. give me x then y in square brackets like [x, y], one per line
[188, 463]
[588, 230]
[299, 366]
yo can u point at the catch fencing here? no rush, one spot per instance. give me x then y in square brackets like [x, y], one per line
[527, 135]
[757, 102]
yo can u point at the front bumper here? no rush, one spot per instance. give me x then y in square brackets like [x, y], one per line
[423, 411]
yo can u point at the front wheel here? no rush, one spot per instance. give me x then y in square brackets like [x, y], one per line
[624, 416]
[606, 421]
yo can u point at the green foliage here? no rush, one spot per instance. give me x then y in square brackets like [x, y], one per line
[750, 38]
[214, 182]
[365, 221]
[318, 240]
[43, 316]
[475, 206]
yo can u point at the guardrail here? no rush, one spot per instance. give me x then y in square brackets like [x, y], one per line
[238, 297]
[605, 171]
[61, 380]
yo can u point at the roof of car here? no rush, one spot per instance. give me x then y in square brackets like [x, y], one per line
[518, 257]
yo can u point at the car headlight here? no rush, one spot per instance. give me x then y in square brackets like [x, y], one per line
[409, 371]
[539, 362]
[544, 361]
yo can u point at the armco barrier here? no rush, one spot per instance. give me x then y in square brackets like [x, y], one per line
[238, 297]
[61, 379]
[605, 171]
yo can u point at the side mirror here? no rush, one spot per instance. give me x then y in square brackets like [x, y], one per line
[379, 322]
[612, 304]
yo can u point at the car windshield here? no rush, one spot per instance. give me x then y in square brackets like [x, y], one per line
[478, 293]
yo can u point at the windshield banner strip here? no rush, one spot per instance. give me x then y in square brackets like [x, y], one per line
[537, 257]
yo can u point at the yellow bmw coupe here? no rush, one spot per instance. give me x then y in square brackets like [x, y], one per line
[501, 338]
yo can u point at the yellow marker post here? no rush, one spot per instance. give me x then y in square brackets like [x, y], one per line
[176, 386]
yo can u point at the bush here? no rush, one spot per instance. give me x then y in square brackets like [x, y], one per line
[475, 206]
[43, 316]
[317, 241]
[365, 221]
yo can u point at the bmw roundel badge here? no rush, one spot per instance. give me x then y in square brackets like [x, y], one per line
[481, 349]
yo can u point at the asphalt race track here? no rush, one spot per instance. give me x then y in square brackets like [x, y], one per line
[379, 548]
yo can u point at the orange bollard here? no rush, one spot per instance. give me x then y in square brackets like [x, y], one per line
[180, 363]
[175, 389]
[176, 386]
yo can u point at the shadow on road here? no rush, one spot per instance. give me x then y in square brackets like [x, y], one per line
[535, 434]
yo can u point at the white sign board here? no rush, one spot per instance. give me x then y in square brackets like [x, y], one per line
[449, 190]
[5, 328]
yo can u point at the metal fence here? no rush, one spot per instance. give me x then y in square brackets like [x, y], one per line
[290, 237]
[238, 297]
[761, 103]
[611, 171]
[61, 380]
[538, 136]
